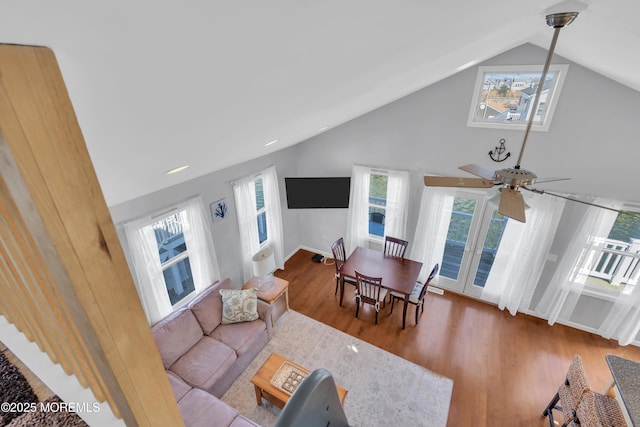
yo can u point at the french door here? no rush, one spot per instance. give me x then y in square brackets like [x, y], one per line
[473, 238]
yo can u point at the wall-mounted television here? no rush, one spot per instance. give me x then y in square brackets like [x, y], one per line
[317, 192]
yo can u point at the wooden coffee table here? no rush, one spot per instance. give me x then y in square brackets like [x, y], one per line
[267, 391]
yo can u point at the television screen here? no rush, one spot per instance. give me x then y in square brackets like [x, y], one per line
[314, 193]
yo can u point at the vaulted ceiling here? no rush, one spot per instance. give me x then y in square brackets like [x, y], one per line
[158, 85]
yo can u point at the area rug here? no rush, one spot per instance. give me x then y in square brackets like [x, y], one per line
[384, 389]
[15, 391]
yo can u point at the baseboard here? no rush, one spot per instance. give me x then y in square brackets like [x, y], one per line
[309, 249]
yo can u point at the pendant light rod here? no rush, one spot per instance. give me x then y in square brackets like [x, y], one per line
[535, 190]
[557, 21]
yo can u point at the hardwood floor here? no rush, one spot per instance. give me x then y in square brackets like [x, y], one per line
[505, 368]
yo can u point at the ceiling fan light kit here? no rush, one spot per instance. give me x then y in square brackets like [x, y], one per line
[509, 198]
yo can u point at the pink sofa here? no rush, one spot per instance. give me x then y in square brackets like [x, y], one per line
[203, 357]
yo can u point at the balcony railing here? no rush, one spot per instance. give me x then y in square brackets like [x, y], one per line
[377, 214]
[615, 261]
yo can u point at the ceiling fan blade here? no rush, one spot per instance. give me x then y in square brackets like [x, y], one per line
[550, 179]
[512, 204]
[478, 171]
[535, 190]
[450, 181]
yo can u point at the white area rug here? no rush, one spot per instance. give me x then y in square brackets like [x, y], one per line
[384, 389]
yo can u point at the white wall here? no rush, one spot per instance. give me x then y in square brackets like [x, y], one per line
[592, 140]
[213, 187]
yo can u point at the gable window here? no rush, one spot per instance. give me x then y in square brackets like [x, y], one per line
[173, 257]
[259, 215]
[378, 205]
[503, 96]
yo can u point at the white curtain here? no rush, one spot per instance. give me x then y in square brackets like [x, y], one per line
[432, 228]
[522, 254]
[397, 204]
[199, 241]
[358, 214]
[567, 283]
[143, 247]
[623, 320]
[245, 196]
[148, 273]
[274, 215]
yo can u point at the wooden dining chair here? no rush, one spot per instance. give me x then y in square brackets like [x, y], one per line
[419, 292]
[369, 290]
[569, 394]
[339, 257]
[395, 247]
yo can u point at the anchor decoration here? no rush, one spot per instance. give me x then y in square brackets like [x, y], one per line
[498, 151]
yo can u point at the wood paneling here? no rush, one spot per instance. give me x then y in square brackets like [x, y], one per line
[63, 272]
[505, 368]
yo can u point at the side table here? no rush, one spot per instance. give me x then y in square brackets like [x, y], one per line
[273, 296]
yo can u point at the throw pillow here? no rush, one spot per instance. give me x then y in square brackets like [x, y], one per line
[239, 306]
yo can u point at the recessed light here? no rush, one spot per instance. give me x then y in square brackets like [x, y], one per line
[176, 170]
[270, 143]
[322, 129]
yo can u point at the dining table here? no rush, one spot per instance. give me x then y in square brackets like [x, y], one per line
[625, 375]
[398, 274]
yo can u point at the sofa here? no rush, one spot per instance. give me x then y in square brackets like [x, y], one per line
[203, 357]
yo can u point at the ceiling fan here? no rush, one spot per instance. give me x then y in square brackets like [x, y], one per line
[515, 178]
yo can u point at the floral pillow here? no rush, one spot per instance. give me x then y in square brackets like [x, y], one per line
[239, 306]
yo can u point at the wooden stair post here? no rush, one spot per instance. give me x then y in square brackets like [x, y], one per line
[64, 279]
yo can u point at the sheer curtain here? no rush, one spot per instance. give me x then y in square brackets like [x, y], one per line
[567, 283]
[199, 241]
[397, 204]
[245, 197]
[358, 214]
[274, 215]
[623, 321]
[522, 254]
[148, 273]
[145, 258]
[432, 228]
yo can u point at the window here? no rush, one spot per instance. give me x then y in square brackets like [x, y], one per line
[172, 256]
[259, 212]
[612, 263]
[377, 204]
[503, 96]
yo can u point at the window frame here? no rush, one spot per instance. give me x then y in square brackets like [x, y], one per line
[260, 211]
[168, 264]
[374, 237]
[550, 104]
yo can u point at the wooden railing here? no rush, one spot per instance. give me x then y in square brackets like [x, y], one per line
[64, 280]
